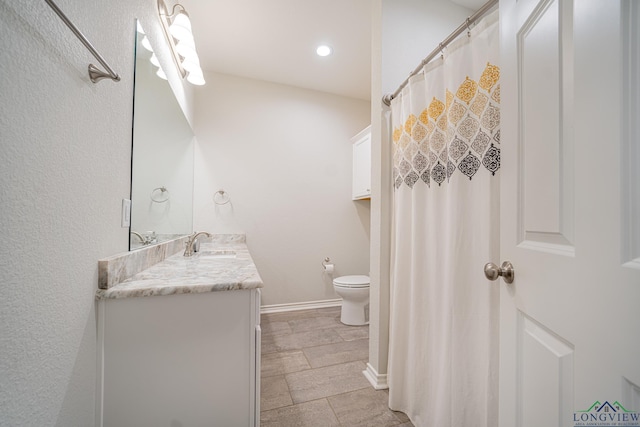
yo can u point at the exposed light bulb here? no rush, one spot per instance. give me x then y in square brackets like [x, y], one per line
[196, 77]
[191, 63]
[180, 28]
[186, 49]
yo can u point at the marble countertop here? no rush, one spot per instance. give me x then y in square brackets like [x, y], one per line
[216, 267]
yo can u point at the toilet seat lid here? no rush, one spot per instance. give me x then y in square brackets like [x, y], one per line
[356, 281]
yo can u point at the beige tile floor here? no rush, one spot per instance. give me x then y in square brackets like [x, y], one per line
[312, 373]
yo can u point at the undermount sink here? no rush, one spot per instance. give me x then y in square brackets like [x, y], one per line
[219, 254]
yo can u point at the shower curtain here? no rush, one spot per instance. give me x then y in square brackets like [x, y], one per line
[443, 350]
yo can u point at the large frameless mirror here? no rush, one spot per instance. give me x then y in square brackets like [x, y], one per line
[162, 156]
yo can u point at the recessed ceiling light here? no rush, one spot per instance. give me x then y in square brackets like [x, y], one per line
[324, 50]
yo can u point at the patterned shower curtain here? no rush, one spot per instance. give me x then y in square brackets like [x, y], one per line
[443, 356]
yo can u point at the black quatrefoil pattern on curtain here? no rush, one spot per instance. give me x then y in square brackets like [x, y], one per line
[458, 135]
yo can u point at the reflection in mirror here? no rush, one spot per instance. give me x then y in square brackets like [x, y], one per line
[162, 157]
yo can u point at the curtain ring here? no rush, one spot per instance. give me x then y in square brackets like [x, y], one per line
[441, 51]
[468, 27]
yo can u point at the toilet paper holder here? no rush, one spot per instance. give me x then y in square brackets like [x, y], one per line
[327, 266]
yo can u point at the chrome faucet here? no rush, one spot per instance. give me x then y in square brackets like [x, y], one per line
[147, 239]
[188, 250]
[139, 236]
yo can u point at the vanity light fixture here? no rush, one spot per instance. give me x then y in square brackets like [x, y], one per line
[177, 29]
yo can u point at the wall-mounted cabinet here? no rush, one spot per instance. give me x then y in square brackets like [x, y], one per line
[362, 165]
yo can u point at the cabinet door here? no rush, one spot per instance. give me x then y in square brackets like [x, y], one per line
[362, 165]
[184, 360]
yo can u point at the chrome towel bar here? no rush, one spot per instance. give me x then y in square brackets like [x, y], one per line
[95, 74]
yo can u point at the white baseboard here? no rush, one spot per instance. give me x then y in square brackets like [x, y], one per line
[276, 308]
[378, 381]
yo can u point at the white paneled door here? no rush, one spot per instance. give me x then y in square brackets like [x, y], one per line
[570, 215]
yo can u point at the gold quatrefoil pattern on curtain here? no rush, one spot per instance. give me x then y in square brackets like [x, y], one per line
[460, 134]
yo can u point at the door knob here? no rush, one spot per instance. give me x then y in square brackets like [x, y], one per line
[492, 271]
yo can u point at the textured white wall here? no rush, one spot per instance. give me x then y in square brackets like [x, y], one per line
[283, 154]
[64, 168]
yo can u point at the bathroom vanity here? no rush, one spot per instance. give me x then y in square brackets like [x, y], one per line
[179, 343]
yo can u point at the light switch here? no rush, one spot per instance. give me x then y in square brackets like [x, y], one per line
[126, 213]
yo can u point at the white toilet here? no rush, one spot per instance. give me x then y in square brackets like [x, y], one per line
[354, 291]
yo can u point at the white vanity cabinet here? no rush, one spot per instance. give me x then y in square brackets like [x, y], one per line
[362, 165]
[180, 360]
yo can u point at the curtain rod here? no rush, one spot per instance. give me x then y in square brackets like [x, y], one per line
[464, 26]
